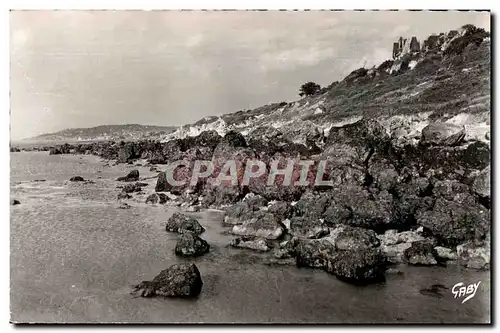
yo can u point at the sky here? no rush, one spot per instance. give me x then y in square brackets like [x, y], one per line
[73, 69]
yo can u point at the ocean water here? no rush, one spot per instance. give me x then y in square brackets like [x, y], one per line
[75, 257]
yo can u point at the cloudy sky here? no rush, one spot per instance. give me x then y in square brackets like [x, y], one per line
[87, 68]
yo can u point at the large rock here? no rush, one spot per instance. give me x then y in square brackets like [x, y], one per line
[421, 253]
[182, 223]
[482, 183]
[162, 184]
[359, 266]
[238, 213]
[157, 197]
[252, 243]
[442, 134]
[262, 224]
[182, 280]
[281, 209]
[311, 206]
[308, 227]
[14, 202]
[132, 176]
[135, 187]
[456, 216]
[76, 179]
[311, 253]
[393, 244]
[190, 245]
[475, 255]
[352, 238]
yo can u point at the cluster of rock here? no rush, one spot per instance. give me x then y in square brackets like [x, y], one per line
[181, 280]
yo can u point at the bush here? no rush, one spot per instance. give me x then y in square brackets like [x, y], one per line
[309, 89]
[472, 34]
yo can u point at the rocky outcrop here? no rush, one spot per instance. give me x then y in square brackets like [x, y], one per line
[190, 245]
[182, 280]
[261, 224]
[182, 223]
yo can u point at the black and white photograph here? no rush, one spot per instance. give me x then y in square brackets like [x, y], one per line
[250, 166]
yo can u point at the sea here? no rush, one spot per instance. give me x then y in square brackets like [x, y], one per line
[75, 257]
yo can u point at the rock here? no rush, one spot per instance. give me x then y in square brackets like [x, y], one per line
[252, 243]
[181, 280]
[442, 134]
[311, 253]
[455, 217]
[255, 201]
[421, 253]
[136, 187]
[124, 205]
[132, 176]
[76, 179]
[308, 227]
[351, 238]
[482, 183]
[157, 197]
[182, 223]
[190, 245]
[162, 184]
[124, 195]
[281, 209]
[238, 213]
[262, 224]
[476, 256]
[312, 206]
[445, 253]
[360, 266]
[14, 202]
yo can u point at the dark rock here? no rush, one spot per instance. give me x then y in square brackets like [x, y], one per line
[124, 205]
[311, 253]
[456, 217]
[252, 243]
[351, 238]
[76, 179]
[359, 266]
[14, 202]
[135, 187]
[182, 280]
[190, 245]
[308, 227]
[255, 201]
[475, 255]
[477, 155]
[153, 198]
[238, 213]
[162, 184]
[262, 224]
[311, 206]
[182, 223]
[132, 176]
[421, 253]
[482, 183]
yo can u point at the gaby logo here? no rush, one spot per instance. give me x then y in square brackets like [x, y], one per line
[460, 290]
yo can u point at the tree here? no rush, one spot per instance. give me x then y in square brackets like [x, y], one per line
[309, 88]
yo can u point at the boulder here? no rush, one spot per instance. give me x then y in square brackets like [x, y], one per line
[132, 176]
[352, 238]
[135, 187]
[393, 244]
[157, 198]
[76, 179]
[360, 266]
[252, 243]
[262, 224]
[308, 227]
[314, 253]
[445, 253]
[482, 183]
[182, 223]
[181, 280]
[124, 205]
[442, 134]
[190, 245]
[311, 206]
[255, 201]
[475, 255]
[421, 253]
[14, 202]
[238, 213]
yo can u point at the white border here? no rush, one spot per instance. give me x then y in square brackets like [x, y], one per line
[179, 4]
